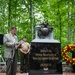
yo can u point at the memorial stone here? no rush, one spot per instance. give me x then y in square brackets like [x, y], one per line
[45, 54]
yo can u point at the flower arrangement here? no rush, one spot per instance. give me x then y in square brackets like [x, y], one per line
[68, 48]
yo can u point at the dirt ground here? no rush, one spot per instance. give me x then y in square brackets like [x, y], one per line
[16, 74]
[65, 73]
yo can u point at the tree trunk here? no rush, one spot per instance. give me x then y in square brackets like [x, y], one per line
[31, 18]
[15, 12]
[9, 14]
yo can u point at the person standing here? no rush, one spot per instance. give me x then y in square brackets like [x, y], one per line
[10, 41]
[24, 67]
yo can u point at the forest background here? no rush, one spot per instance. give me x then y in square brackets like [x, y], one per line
[26, 14]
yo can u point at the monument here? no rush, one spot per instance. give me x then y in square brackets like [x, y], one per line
[45, 53]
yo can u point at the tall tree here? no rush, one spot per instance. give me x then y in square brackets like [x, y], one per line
[9, 14]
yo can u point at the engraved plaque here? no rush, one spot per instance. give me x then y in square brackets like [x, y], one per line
[45, 58]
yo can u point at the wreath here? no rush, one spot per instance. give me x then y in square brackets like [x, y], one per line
[68, 48]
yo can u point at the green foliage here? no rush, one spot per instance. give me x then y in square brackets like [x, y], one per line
[26, 14]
